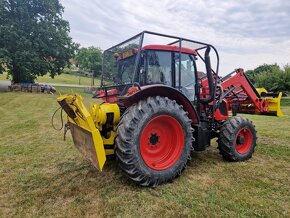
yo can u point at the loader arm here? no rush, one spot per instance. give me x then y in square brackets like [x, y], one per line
[248, 96]
[244, 87]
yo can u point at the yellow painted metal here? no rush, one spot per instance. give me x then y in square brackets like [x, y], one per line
[110, 140]
[274, 104]
[109, 151]
[99, 113]
[86, 127]
[261, 90]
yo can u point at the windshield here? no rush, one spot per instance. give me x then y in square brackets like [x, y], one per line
[118, 70]
[119, 62]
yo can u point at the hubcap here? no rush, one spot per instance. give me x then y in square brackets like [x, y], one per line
[161, 142]
[154, 139]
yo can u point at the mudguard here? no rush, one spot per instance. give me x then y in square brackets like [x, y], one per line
[165, 91]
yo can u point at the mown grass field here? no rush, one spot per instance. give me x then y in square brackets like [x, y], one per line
[44, 176]
[63, 79]
[68, 79]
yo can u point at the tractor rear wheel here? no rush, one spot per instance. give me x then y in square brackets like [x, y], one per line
[237, 140]
[154, 141]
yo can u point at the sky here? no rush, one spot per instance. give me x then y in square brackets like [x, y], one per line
[246, 33]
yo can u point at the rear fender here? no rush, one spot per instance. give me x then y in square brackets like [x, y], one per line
[164, 91]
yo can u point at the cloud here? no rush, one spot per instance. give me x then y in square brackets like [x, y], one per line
[246, 33]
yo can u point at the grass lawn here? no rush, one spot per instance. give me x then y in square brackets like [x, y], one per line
[62, 78]
[42, 175]
[68, 79]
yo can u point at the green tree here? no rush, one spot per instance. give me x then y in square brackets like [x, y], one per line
[34, 39]
[262, 69]
[90, 59]
[271, 77]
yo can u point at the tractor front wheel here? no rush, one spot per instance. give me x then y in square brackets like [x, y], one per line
[237, 140]
[154, 141]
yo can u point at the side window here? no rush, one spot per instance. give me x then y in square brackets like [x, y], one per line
[126, 71]
[159, 67]
[187, 75]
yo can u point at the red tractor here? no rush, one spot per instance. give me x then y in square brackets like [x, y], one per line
[157, 108]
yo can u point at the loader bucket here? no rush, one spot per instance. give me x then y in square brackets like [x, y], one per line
[275, 105]
[274, 102]
[86, 136]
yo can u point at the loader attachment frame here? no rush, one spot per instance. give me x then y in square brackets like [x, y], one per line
[87, 138]
[274, 101]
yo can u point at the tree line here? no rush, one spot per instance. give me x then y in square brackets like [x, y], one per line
[271, 77]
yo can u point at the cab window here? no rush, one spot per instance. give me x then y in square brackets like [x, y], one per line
[125, 70]
[159, 67]
[187, 74]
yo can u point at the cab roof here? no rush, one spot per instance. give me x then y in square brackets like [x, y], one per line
[169, 48]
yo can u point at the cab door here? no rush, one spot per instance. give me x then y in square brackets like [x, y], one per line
[159, 67]
[187, 80]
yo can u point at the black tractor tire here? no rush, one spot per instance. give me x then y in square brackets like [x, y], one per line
[136, 122]
[237, 139]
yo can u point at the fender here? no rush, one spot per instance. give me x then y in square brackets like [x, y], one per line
[164, 91]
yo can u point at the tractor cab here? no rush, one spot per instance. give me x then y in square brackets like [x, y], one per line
[158, 64]
[137, 64]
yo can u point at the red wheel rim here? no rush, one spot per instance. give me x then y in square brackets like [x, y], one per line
[244, 141]
[161, 142]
